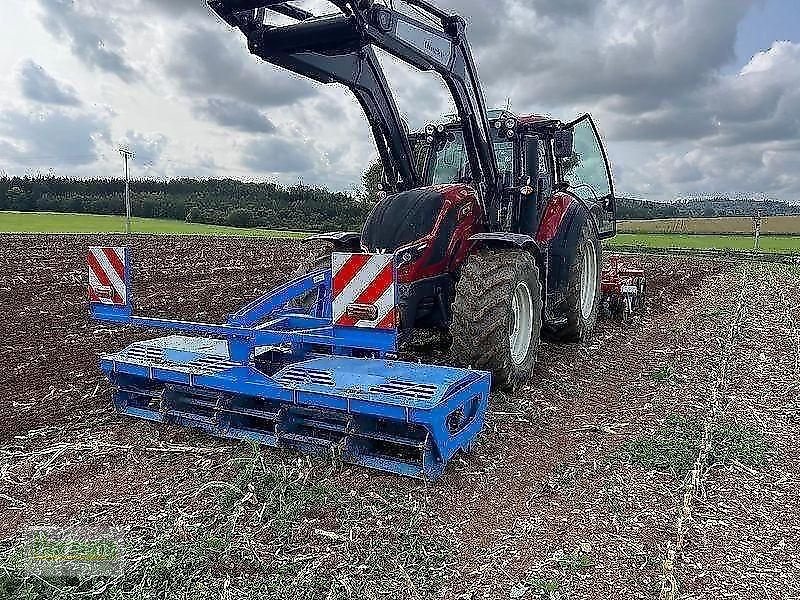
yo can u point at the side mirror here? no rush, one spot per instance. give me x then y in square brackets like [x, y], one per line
[563, 143]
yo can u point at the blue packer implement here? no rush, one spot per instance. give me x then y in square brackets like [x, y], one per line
[310, 366]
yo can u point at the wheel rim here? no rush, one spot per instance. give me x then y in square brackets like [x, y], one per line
[521, 331]
[588, 279]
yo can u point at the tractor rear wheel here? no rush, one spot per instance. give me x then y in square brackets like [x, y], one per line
[497, 316]
[583, 290]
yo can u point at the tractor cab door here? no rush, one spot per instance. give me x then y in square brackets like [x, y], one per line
[587, 173]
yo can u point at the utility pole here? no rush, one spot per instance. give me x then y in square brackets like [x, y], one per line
[757, 230]
[127, 154]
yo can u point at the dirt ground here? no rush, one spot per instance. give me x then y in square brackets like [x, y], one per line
[572, 492]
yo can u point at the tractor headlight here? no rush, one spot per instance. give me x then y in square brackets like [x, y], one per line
[409, 254]
[511, 123]
[430, 129]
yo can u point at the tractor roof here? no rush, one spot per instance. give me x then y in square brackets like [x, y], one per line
[530, 120]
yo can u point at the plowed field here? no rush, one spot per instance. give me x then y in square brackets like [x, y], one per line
[574, 489]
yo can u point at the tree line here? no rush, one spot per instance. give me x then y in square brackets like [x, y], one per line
[224, 201]
[710, 206]
[213, 201]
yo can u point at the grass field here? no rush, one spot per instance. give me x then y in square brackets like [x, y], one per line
[16, 222]
[775, 243]
[782, 225]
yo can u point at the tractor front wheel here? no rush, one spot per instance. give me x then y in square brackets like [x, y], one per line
[497, 316]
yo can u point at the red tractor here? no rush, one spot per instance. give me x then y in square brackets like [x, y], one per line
[495, 220]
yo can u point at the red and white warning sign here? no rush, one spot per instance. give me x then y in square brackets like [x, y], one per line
[364, 291]
[107, 277]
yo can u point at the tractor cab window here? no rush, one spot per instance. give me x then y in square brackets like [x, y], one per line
[587, 173]
[450, 163]
[450, 159]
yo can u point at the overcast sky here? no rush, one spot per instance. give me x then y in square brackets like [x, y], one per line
[692, 96]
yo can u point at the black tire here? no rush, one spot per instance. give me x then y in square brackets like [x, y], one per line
[483, 317]
[580, 320]
[320, 260]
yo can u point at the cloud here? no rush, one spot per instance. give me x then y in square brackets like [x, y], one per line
[760, 103]
[92, 36]
[278, 155]
[564, 11]
[769, 168]
[148, 148]
[206, 61]
[176, 8]
[679, 115]
[740, 132]
[51, 138]
[234, 115]
[39, 86]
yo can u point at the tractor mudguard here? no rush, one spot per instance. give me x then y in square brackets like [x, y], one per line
[565, 316]
[503, 239]
[341, 240]
[563, 243]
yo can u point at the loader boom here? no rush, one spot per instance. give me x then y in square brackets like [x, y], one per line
[340, 49]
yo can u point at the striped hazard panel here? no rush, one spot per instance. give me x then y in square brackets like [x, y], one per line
[107, 276]
[363, 291]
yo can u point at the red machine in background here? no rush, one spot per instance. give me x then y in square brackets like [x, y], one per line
[624, 289]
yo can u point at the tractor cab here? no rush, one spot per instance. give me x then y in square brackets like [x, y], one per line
[536, 157]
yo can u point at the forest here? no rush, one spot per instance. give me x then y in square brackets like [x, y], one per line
[214, 201]
[272, 205]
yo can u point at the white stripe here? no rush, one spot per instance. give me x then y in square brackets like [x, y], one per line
[385, 304]
[94, 282]
[111, 273]
[365, 276]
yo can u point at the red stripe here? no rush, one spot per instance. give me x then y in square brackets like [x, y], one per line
[346, 321]
[378, 286]
[113, 258]
[372, 293]
[98, 270]
[349, 270]
[103, 278]
[92, 295]
[389, 321]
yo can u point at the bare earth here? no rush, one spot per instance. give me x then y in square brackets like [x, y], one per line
[572, 492]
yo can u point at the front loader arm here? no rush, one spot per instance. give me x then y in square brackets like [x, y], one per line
[339, 48]
[329, 50]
